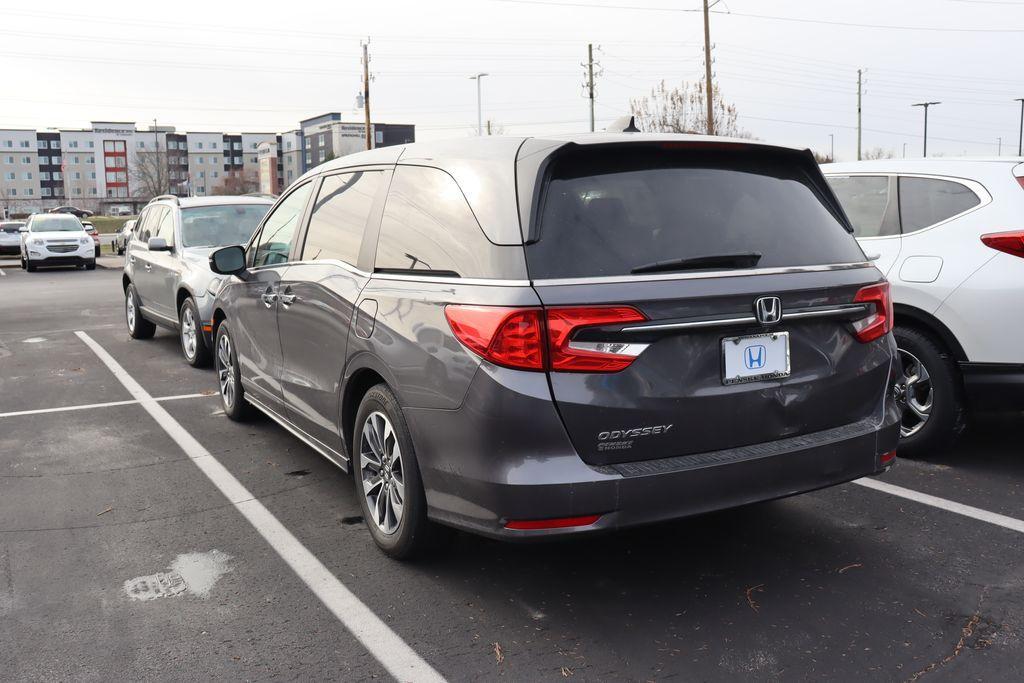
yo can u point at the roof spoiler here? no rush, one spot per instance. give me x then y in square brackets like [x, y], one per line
[623, 124]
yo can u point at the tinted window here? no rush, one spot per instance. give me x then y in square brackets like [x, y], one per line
[220, 226]
[607, 212]
[339, 216]
[148, 223]
[165, 228]
[274, 241]
[927, 201]
[866, 201]
[428, 226]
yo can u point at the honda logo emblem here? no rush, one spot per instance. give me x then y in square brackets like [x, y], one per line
[754, 357]
[768, 310]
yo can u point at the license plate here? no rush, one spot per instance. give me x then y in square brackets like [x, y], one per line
[756, 357]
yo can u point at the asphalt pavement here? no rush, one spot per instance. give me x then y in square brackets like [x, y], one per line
[121, 556]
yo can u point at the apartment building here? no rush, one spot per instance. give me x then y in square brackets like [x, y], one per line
[115, 163]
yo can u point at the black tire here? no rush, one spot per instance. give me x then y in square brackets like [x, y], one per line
[947, 414]
[414, 534]
[138, 327]
[23, 262]
[28, 266]
[200, 355]
[98, 249]
[90, 265]
[234, 403]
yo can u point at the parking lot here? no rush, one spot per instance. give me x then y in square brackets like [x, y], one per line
[122, 557]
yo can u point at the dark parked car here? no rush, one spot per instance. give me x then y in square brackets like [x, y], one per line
[73, 210]
[531, 337]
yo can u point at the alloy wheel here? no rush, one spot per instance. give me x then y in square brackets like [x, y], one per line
[188, 333]
[914, 391]
[382, 471]
[129, 303]
[225, 370]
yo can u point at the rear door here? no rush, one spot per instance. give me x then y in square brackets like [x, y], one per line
[146, 282]
[870, 201]
[318, 296]
[164, 268]
[651, 348]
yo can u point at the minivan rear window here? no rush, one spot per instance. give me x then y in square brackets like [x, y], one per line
[610, 212]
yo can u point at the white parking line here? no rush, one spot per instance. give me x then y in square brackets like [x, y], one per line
[394, 654]
[943, 504]
[109, 404]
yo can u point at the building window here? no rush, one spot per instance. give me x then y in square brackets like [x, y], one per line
[27, 176]
[323, 156]
[57, 175]
[141, 144]
[78, 191]
[78, 176]
[29, 192]
[54, 144]
[200, 160]
[90, 160]
[11, 192]
[9, 176]
[24, 143]
[111, 176]
[8, 143]
[77, 160]
[91, 144]
[236, 145]
[92, 175]
[28, 160]
[8, 160]
[55, 161]
[309, 158]
[291, 174]
[44, 175]
[45, 192]
[41, 144]
[73, 144]
[202, 174]
[213, 145]
[238, 161]
[199, 145]
[215, 174]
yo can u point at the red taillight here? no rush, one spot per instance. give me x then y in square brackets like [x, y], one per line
[887, 458]
[512, 337]
[558, 523]
[516, 337]
[563, 322]
[1010, 242]
[879, 322]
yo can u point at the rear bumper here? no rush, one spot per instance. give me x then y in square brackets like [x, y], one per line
[994, 386]
[481, 481]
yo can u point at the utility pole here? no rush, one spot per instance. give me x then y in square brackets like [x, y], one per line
[904, 150]
[707, 68]
[925, 105]
[832, 145]
[156, 158]
[1000, 143]
[366, 92]
[1020, 136]
[590, 82]
[479, 103]
[859, 84]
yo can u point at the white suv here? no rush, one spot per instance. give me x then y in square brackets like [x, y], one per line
[56, 239]
[948, 233]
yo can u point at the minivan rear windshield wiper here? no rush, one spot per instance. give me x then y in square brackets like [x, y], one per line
[739, 260]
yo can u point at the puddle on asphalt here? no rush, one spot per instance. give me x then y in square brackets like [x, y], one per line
[193, 573]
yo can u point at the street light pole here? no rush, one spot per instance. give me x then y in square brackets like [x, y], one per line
[832, 146]
[1020, 136]
[925, 105]
[479, 104]
[1000, 143]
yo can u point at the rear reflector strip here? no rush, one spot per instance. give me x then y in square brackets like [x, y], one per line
[887, 458]
[557, 523]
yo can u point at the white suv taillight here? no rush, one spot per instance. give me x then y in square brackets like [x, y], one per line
[1011, 242]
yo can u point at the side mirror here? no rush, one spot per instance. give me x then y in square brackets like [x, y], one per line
[228, 260]
[158, 244]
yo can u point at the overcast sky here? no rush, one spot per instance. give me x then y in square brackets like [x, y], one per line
[791, 70]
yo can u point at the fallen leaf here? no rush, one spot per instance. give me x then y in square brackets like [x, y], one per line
[499, 656]
[104, 512]
[750, 600]
[566, 672]
[850, 566]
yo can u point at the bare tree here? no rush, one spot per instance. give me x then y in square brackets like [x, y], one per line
[150, 173]
[823, 158]
[682, 109]
[879, 153]
[495, 128]
[238, 182]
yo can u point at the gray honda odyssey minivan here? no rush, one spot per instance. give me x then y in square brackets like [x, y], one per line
[525, 337]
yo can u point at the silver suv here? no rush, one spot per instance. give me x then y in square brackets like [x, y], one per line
[167, 279]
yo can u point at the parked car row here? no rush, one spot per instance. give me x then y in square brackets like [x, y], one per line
[527, 337]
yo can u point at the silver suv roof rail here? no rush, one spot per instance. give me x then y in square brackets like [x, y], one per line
[161, 197]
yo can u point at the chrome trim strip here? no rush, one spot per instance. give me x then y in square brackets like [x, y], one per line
[613, 279]
[487, 282]
[825, 312]
[749, 320]
[721, 322]
[163, 319]
[323, 449]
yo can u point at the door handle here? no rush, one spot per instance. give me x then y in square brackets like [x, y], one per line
[287, 298]
[268, 298]
[148, 267]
